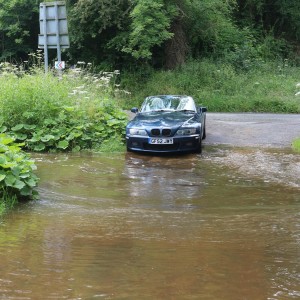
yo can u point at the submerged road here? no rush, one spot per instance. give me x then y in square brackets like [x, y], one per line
[252, 129]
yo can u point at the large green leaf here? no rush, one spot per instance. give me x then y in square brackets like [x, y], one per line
[17, 169]
[6, 140]
[63, 144]
[26, 191]
[18, 184]
[39, 147]
[17, 127]
[47, 138]
[35, 138]
[29, 127]
[3, 159]
[21, 136]
[10, 180]
[3, 129]
[25, 174]
[31, 182]
[8, 165]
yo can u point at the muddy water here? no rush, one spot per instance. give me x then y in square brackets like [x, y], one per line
[223, 225]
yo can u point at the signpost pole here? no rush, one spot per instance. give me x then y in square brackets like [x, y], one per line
[57, 36]
[45, 39]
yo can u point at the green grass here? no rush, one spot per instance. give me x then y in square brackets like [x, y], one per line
[296, 145]
[7, 201]
[78, 111]
[268, 87]
[114, 144]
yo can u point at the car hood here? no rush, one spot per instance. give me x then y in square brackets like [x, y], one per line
[163, 119]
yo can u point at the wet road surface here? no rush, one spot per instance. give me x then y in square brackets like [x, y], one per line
[252, 129]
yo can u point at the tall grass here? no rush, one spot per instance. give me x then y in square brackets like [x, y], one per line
[7, 201]
[36, 96]
[267, 87]
[78, 110]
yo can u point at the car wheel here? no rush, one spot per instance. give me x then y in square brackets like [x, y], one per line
[199, 147]
[204, 132]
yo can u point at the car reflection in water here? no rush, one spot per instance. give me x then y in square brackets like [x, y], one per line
[170, 183]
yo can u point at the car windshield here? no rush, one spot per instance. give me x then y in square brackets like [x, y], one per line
[168, 103]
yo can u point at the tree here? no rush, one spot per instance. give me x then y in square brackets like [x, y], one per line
[93, 26]
[150, 27]
[19, 27]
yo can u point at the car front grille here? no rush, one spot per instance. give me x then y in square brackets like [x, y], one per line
[155, 132]
[152, 147]
[166, 132]
[161, 132]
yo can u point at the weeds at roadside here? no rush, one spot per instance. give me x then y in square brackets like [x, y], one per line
[296, 145]
[7, 201]
[71, 113]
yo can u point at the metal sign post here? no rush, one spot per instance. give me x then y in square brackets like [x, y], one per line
[53, 29]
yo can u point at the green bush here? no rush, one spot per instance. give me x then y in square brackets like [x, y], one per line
[17, 180]
[68, 113]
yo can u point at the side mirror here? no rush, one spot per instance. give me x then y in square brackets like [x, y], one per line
[134, 110]
[201, 109]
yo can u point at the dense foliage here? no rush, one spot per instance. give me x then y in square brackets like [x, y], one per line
[161, 33]
[19, 28]
[48, 113]
[17, 179]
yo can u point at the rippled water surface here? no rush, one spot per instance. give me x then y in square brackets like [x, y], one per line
[221, 225]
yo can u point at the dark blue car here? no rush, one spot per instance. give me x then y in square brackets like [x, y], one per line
[167, 123]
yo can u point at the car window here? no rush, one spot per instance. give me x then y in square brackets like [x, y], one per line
[155, 103]
[186, 104]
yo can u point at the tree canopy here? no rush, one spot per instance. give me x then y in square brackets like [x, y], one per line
[162, 33]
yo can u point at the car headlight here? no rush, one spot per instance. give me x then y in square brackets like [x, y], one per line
[186, 131]
[138, 131]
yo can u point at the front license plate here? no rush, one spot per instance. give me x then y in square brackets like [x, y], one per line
[160, 141]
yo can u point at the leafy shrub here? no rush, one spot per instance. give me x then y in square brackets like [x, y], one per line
[17, 179]
[47, 113]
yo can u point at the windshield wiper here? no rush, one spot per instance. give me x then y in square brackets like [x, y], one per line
[163, 109]
[187, 110]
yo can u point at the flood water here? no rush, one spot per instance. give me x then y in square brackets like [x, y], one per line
[221, 225]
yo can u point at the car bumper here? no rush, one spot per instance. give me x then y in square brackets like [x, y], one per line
[180, 144]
